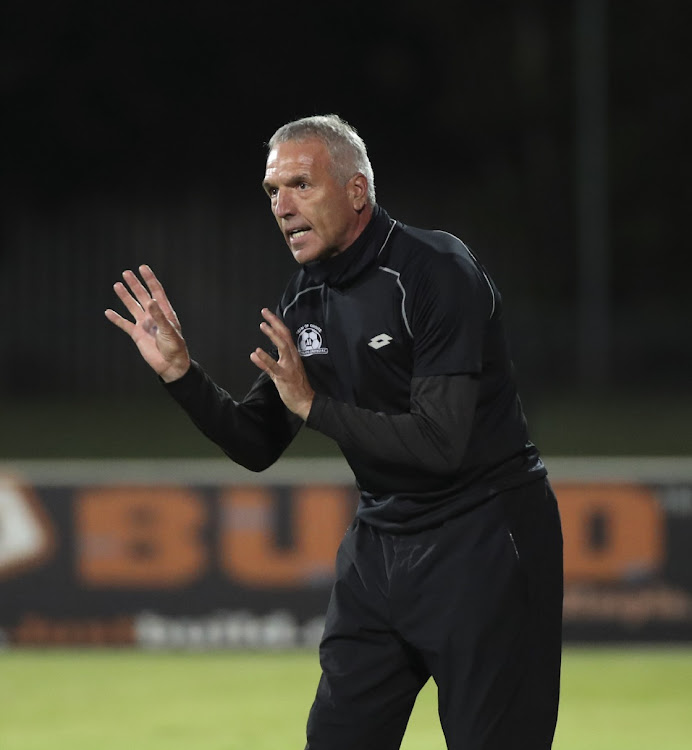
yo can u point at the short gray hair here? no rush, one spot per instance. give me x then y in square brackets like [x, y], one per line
[346, 148]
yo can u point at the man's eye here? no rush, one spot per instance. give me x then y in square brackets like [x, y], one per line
[302, 185]
[271, 192]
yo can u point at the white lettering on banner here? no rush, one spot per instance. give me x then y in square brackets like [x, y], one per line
[26, 537]
[227, 629]
[647, 604]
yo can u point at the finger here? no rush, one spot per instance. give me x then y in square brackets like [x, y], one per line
[128, 300]
[157, 291]
[138, 289]
[261, 359]
[277, 331]
[162, 322]
[274, 337]
[275, 322]
[118, 320]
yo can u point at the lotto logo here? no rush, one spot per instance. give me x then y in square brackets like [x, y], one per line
[377, 342]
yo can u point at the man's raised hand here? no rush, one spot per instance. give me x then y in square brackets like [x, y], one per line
[288, 373]
[156, 329]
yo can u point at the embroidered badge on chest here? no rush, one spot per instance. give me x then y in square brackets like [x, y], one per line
[309, 340]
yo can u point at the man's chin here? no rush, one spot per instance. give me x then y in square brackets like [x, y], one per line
[305, 255]
[300, 256]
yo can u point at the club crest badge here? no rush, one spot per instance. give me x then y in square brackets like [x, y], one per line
[309, 340]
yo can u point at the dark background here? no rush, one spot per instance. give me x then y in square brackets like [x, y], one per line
[134, 132]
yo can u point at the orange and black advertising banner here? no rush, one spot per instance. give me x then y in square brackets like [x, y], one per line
[176, 565]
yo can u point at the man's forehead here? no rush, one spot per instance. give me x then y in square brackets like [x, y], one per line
[300, 155]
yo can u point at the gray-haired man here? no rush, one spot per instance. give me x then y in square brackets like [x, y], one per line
[389, 339]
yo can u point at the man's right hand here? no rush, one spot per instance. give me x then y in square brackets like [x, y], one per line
[156, 329]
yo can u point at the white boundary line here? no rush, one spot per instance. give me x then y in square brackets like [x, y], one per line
[62, 472]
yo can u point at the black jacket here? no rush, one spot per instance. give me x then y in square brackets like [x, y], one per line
[403, 341]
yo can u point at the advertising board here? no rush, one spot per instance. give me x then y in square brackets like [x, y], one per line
[204, 555]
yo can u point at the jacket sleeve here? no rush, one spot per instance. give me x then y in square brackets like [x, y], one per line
[253, 432]
[430, 438]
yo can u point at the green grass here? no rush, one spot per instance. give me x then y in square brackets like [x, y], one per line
[613, 699]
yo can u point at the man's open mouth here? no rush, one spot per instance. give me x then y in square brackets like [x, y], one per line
[296, 234]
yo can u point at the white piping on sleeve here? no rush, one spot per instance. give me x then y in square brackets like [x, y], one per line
[403, 296]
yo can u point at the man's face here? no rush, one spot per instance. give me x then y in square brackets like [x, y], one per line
[318, 216]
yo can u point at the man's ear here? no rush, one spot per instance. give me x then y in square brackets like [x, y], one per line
[358, 191]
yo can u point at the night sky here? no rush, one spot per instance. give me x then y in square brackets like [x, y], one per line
[468, 110]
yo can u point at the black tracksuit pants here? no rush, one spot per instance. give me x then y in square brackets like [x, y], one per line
[476, 603]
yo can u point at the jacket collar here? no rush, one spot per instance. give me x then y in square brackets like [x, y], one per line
[344, 268]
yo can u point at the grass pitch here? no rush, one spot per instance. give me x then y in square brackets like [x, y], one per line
[613, 699]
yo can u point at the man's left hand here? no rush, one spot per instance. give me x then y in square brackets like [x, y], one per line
[288, 373]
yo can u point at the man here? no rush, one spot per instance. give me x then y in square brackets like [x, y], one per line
[389, 339]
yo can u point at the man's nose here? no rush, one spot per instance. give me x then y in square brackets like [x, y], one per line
[283, 205]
